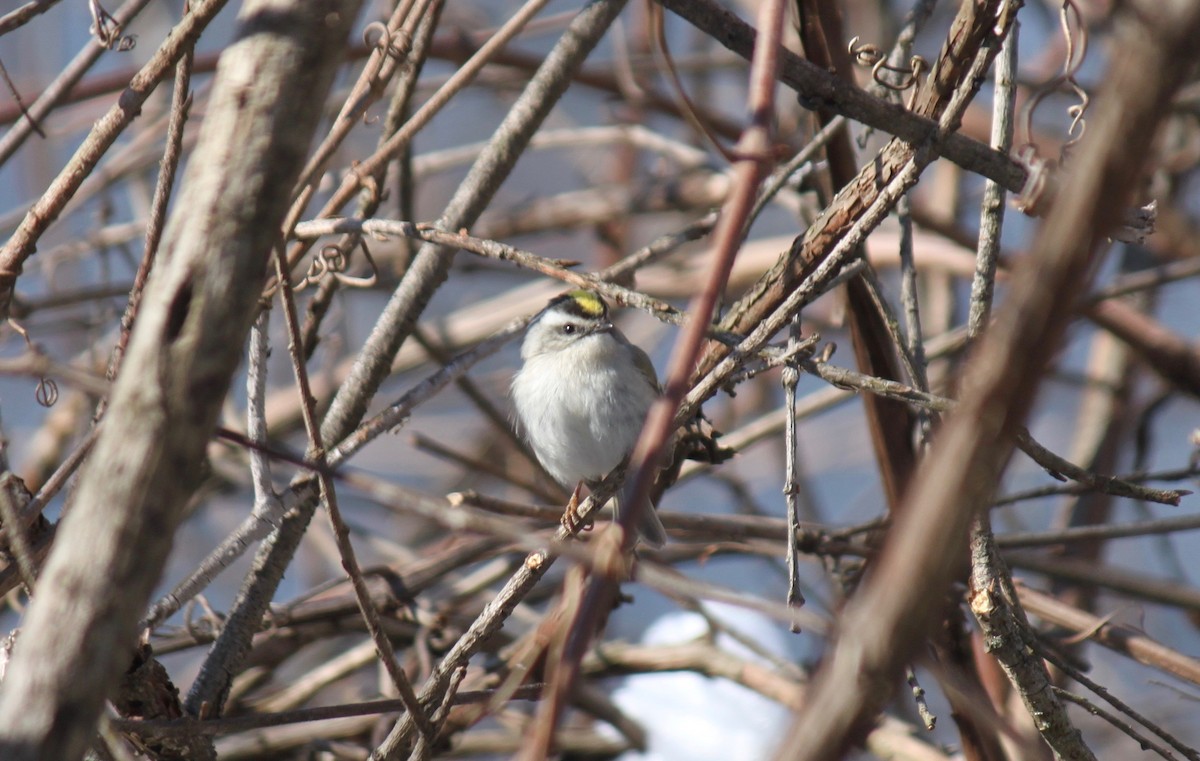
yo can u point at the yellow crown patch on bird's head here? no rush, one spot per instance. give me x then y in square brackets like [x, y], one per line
[582, 303]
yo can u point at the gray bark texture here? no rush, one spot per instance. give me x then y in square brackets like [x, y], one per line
[79, 631]
[887, 622]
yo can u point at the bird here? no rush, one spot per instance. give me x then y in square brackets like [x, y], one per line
[582, 394]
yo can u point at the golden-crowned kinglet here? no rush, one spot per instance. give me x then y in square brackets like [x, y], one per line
[583, 394]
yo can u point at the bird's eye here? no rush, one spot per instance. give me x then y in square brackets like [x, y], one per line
[569, 329]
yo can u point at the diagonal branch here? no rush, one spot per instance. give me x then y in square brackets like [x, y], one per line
[891, 613]
[111, 548]
[23, 242]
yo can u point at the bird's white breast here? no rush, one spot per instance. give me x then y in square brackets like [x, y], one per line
[579, 417]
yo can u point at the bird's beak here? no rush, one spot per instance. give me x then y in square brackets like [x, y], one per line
[604, 327]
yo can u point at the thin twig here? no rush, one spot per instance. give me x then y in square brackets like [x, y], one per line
[104, 133]
[992, 206]
[57, 90]
[463, 76]
[317, 453]
[1121, 706]
[17, 18]
[790, 377]
[180, 105]
[268, 508]
[753, 151]
[1130, 642]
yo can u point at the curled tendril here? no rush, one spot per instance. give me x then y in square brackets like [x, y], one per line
[319, 266]
[332, 260]
[383, 41]
[390, 44]
[884, 74]
[864, 54]
[1075, 38]
[46, 392]
[1071, 66]
[1078, 124]
[108, 30]
[361, 282]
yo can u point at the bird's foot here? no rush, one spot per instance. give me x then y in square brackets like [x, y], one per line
[570, 519]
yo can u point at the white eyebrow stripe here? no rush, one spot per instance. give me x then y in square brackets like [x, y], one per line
[558, 319]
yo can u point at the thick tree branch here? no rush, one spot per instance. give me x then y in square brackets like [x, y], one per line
[79, 632]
